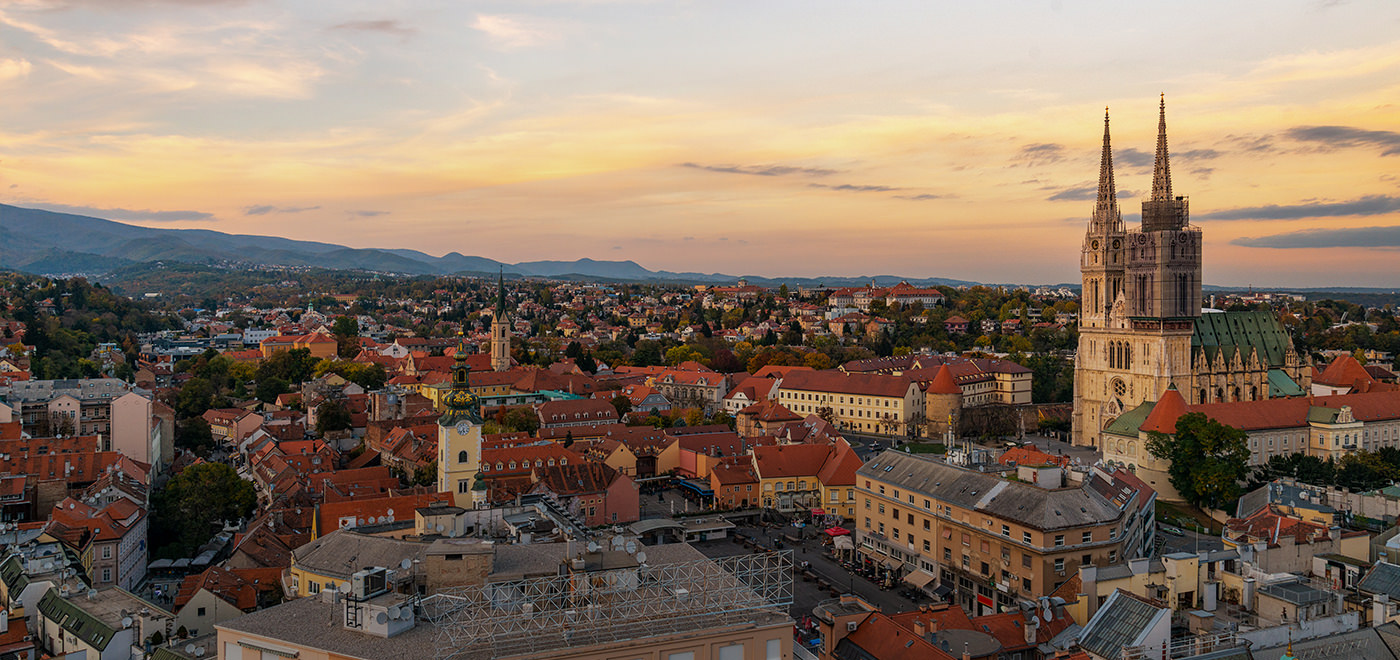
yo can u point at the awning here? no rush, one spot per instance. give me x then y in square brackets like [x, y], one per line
[837, 531]
[843, 543]
[818, 512]
[893, 563]
[919, 578]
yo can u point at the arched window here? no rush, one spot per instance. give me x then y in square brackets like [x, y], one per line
[1253, 392]
[1237, 393]
[462, 456]
[1127, 356]
[1203, 396]
[1219, 394]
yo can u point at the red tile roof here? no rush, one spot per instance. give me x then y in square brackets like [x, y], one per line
[943, 383]
[781, 461]
[1163, 417]
[836, 381]
[1345, 371]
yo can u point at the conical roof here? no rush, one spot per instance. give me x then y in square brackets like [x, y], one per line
[1169, 408]
[944, 383]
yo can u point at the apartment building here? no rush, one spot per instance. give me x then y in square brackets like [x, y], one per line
[993, 541]
[65, 407]
[873, 403]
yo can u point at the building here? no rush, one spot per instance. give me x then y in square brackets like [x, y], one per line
[1328, 427]
[48, 408]
[868, 402]
[459, 439]
[590, 606]
[566, 413]
[1141, 326]
[500, 331]
[320, 345]
[993, 541]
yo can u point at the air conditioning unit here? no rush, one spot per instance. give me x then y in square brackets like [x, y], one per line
[851, 626]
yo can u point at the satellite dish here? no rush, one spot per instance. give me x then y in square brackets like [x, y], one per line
[390, 512]
[592, 547]
[631, 547]
[406, 564]
[126, 622]
[381, 618]
[641, 557]
[440, 527]
[343, 588]
[394, 612]
[199, 651]
[189, 648]
[617, 543]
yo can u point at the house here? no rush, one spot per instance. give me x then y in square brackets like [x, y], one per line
[575, 412]
[320, 345]
[219, 594]
[763, 418]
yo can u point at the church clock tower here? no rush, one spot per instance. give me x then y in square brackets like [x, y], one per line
[459, 438]
[500, 330]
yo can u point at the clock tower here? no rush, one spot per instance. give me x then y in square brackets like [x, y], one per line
[459, 439]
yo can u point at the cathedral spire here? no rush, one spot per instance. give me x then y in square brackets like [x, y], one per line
[501, 293]
[1161, 170]
[1106, 214]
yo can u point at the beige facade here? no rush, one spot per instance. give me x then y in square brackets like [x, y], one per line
[994, 541]
[855, 406]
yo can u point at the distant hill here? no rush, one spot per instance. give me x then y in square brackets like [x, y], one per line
[51, 243]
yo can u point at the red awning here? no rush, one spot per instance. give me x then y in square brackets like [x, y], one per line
[837, 531]
[818, 512]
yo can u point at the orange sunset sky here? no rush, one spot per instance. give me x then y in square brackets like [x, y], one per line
[950, 139]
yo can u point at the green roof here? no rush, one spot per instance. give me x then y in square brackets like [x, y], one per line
[73, 619]
[12, 573]
[1280, 384]
[1128, 423]
[1231, 332]
[1321, 415]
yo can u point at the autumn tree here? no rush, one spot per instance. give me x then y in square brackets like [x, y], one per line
[1208, 459]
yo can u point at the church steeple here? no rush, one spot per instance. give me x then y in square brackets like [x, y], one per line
[501, 293]
[1107, 217]
[1163, 211]
[1161, 169]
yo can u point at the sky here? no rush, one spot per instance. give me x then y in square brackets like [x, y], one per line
[803, 138]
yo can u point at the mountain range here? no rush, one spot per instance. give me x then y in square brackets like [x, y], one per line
[51, 243]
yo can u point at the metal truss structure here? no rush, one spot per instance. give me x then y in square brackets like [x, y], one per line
[598, 607]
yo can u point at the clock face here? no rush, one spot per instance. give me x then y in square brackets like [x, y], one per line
[463, 427]
[1094, 245]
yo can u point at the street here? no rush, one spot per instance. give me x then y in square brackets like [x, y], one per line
[1190, 541]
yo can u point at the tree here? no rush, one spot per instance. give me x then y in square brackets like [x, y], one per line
[1208, 459]
[623, 405]
[191, 507]
[269, 388]
[347, 336]
[193, 433]
[332, 416]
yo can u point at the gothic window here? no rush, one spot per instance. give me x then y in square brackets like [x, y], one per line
[1253, 392]
[462, 456]
[1219, 394]
[1127, 356]
[1203, 396]
[1119, 387]
[1237, 393]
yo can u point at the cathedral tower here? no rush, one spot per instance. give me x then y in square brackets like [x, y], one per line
[500, 330]
[1141, 296]
[459, 438]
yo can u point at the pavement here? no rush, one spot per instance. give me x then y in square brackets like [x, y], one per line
[806, 594]
[1190, 541]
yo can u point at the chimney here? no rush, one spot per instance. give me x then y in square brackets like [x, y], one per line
[1379, 604]
[967, 655]
[919, 628]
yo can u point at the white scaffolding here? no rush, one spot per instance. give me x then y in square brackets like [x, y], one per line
[597, 607]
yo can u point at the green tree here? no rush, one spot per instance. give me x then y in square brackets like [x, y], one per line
[193, 504]
[269, 388]
[193, 433]
[332, 415]
[1208, 459]
[347, 336]
[622, 404]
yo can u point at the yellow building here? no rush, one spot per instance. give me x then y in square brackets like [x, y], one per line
[873, 403]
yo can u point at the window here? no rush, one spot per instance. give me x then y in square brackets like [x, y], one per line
[909, 518]
[1025, 537]
[867, 522]
[1088, 537]
[985, 568]
[926, 505]
[1086, 560]
[1060, 565]
[106, 552]
[1059, 540]
[773, 650]
[1006, 531]
[106, 575]
[683, 655]
[1026, 584]
[731, 652]
[200, 612]
[947, 554]
[927, 545]
[462, 456]
[1112, 556]
[927, 525]
[1025, 560]
[966, 540]
[882, 508]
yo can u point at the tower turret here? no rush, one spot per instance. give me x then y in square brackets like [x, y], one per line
[500, 329]
[1101, 257]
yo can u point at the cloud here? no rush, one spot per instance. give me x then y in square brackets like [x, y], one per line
[129, 214]
[1367, 237]
[762, 170]
[1081, 193]
[367, 214]
[921, 198]
[384, 25]
[1334, 137]
[513, 32]
[1368, 205]
[264, 209]
[847, 187]
[10, 69]
[1043, 153]
[1133, 157]
[1196, 154]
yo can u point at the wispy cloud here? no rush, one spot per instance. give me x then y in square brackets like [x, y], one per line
[128, 214]
[1338, 137]
[264, 209]
[1080, 193]
[762, 170]
[514, 31]
[1044, 153]
[847, 187]
[1368, 205]
[367, 214]
[924, 197]
[14, 68]
[1365, 237]
[1131, 157]
[383, 25]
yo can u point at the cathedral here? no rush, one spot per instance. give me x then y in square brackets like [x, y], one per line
[1141, 325]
